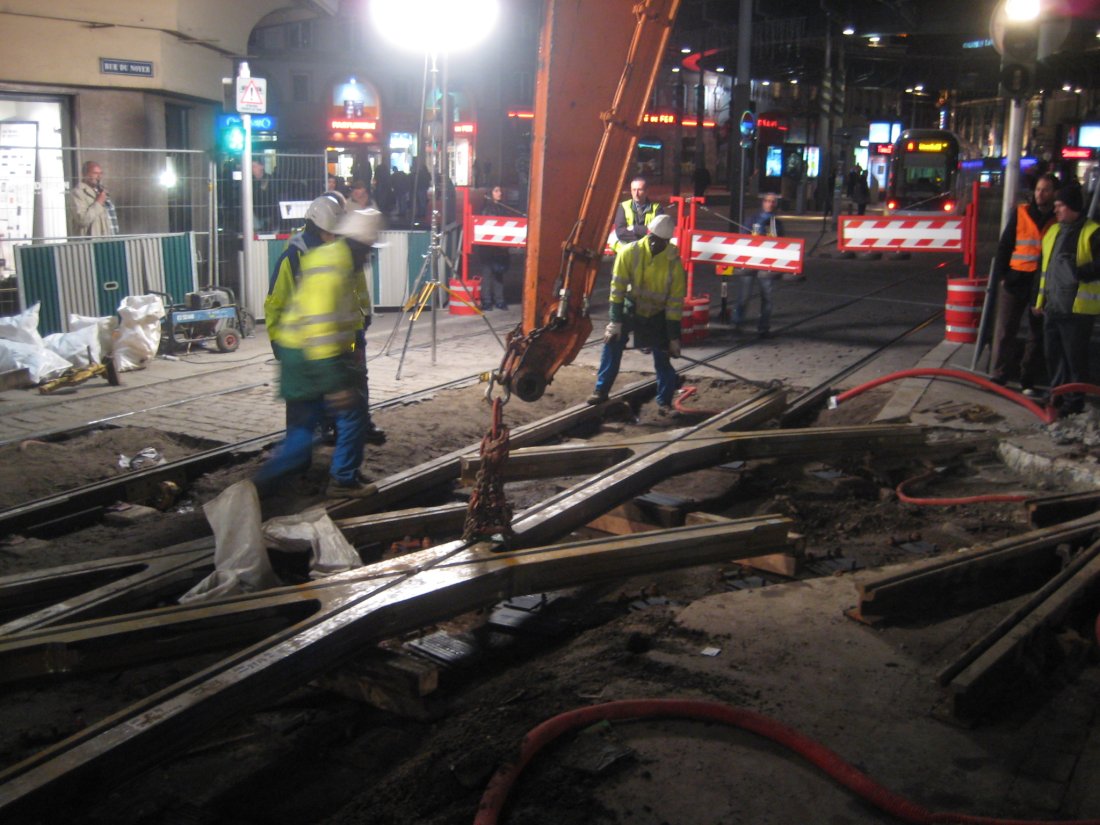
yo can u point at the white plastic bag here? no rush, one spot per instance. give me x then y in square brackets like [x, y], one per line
[80, 348]
[138, 334]
[331, 551]
[240, 557]
[41, 364]
[105, 328]
[22, 327]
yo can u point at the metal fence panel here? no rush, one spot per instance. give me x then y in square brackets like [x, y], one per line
[92, 277]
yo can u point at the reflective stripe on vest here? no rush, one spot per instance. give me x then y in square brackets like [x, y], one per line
[324, 315]
[1087, 300]
[648, 214]
[1028, 251]
[649, 288]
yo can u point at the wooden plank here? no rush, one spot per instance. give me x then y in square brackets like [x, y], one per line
[623, 520]
[387, 680]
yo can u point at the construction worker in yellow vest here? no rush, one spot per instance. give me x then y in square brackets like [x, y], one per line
[633, 215]
[1015, 270]
[320, 338]
[648, 285]
[1069, 294]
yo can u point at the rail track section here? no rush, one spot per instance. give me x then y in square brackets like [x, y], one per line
[81, 506]
[281, 638]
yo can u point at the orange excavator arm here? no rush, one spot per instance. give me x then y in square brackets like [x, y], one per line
[596, 66]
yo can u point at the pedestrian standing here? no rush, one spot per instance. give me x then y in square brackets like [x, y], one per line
[494, 259]
[700, 180]
[633, 215]
[765, 222]
[648, 285]
[91, 212]
[1069, 294]
[1015, 269]
[861, 192]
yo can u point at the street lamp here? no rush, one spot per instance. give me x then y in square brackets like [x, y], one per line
[432, 28]
[1016, 37]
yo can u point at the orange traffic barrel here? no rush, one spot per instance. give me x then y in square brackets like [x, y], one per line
[963, 310]
[465, 296]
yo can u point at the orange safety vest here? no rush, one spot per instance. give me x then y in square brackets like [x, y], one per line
[1029, 237]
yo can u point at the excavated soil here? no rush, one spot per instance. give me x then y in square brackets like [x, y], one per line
[316, 756]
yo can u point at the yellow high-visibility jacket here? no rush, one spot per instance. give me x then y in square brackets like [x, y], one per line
[1086, 299]
[648, 287]
[331, 305]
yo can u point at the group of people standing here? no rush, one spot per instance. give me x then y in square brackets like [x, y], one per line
[649, 285]
[1047, 272]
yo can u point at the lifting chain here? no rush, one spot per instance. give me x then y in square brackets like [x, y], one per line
[489, 512]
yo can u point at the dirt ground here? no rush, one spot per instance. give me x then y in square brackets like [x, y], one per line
[317, 756]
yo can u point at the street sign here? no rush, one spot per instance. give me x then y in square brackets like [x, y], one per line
[252, 95]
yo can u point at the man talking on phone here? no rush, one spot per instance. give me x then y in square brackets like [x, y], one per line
[91, 212]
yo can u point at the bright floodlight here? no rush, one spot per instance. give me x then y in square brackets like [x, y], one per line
[434, 25]
[1021, 11]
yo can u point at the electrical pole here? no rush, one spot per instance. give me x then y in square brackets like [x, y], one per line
[742, 100]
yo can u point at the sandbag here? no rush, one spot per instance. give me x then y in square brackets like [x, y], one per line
[138, 335]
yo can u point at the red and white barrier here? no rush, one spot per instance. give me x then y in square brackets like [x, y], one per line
[497, 231]
[901, 233]
[748, 251]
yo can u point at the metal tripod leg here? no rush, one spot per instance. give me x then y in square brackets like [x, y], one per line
[417, 284]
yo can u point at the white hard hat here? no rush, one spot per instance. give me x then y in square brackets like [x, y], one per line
[325, 212]
[363, 225]
[662, 226]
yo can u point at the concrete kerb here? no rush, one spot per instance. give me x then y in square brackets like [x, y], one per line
[1027, 446]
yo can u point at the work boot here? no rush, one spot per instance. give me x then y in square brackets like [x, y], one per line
[598, 396]
[375, 435]
[359, 488]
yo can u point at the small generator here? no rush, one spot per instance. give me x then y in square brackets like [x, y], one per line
[211, 314]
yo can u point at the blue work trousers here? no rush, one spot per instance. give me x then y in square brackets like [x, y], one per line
[1066, 339]
[612, 357]
[744, 294]
[295, 454]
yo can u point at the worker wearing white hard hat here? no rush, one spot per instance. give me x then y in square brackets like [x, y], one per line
[648, 285]
[321, 340]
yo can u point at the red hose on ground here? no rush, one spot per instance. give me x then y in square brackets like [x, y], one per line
[1087, 389]
[948, 502]
[685, 393]
[492, 801]
[1047, 416]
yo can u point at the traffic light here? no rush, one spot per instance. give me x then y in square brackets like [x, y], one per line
[1019, 53]
[230, 135]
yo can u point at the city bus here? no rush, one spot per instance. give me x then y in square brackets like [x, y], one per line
[924, 172]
